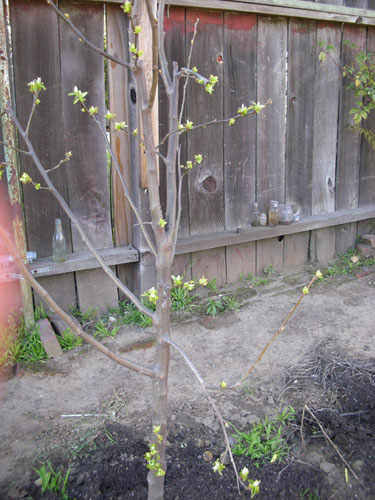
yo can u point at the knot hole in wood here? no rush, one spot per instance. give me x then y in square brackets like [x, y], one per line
[209, 184]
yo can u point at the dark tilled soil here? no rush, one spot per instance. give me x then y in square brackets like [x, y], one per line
[118, 472]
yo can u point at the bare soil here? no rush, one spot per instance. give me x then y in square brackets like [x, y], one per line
[84, 411]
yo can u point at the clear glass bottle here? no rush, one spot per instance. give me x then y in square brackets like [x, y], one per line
[255, 216]
[263, 219]
[286, 215]
[58, 243]
[273, 214]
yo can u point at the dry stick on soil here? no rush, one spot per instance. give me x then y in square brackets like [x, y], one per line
[305, 291]
[42, 292]
[212, 403]
[327, 437]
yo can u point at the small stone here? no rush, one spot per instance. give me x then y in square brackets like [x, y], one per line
[327, 467]
[357, 464]
[17, 492]
[270, 400]
[200, 443]
[225, 458]
[207, 456]
[38, 482]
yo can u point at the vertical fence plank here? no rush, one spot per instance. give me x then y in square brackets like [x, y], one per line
[240, 33]
[327, 86]
[176, 47]
[367, 171]
[272, 47]
[349, 144]
[206, 189]
[300, 132]
[118, 82]
[88, 180]
[36, 54]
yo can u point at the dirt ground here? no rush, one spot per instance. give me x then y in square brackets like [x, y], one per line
[324, 359]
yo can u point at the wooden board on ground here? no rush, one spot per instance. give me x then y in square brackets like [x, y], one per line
[327, 88]
[88, 180]
[300, 133]
[271, 129]
[118, 81]
[239, 60]
[206, 181]
[35, 31]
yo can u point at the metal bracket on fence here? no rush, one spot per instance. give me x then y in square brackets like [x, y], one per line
[15, 276]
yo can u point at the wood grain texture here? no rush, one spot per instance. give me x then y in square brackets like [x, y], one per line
[300, 131]
[118, 82]
[36, 53]
[349, 145]
[327, 87]
[367, 171]
[210, 264]
[177, 48]
[241, 260]
[88, 181]
[271, 62]
[206, 181]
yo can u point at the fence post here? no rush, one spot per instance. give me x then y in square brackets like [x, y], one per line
[11, 165]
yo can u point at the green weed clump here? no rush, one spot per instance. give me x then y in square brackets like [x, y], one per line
[348, 263]
[53, 480]
[264, 442]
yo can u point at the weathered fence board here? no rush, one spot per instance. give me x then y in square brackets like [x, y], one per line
[300, 132]
[88, 180]
[271, 128]
[36, 53]
[299, 150]
[206, 181]
[349, 145]
[177, 48]
[327, 88]
[239, 62]
[118, 82]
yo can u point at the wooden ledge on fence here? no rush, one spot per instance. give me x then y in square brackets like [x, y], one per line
[245, 235]
[81, 261]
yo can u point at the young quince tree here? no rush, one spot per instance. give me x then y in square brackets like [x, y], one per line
[164, 223]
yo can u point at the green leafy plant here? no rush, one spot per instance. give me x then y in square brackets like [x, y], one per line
[348, 263]
[68, 340]
[103, 329]
[30, 347]
[264, 442]
[53, 480]
[214, 306]
[84, 317]
[181, 298]
[211, 285]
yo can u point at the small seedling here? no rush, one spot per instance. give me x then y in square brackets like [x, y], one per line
[213, 306]
[181, 298]
[211, 285]
[68, 340]
[84, 317]
[103, 330]
[264, 442]
[53, 481]
[268, 271]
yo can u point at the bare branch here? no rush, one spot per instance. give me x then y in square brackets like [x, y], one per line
[123, 183]
[35, 103]
[188, 65]
[270, 342]
[164, 71]
[42, 292]
[75, 220]
[155, 54]
[15, 149]
[190, 364]
[208, 124]
[84, 40]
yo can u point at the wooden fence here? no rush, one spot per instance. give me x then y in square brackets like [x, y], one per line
[299, 150]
